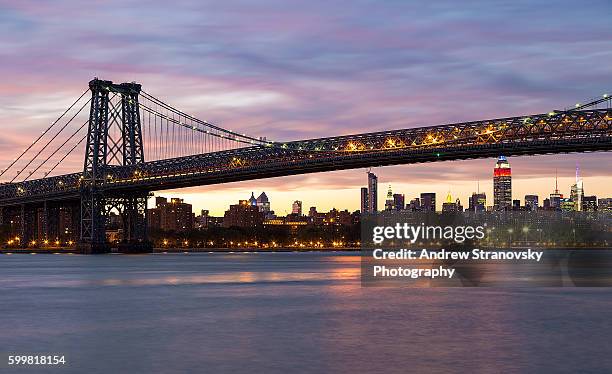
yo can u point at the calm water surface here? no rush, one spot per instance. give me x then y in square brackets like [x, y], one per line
[286, 312]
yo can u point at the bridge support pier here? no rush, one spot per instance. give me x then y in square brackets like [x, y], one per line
[93, 223]
[135, 224]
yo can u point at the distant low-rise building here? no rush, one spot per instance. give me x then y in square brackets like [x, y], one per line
[243, 214]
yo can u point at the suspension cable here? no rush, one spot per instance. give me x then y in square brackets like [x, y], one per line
[57, 150]
[204, 123]
[66, 155]
[50, 141]
[43, 134]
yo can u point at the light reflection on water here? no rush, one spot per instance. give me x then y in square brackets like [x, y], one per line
[282, 312]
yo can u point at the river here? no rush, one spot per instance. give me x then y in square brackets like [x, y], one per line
[285, 312]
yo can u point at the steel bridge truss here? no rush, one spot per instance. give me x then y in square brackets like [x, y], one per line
[115, 173]
[576, 131]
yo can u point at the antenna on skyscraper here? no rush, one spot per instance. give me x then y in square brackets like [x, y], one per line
[577, 172]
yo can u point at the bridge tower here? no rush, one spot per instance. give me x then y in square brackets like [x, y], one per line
[114, 139]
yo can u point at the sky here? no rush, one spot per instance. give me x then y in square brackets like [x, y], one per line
[304, 69]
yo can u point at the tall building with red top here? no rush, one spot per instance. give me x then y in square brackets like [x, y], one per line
[502, 185]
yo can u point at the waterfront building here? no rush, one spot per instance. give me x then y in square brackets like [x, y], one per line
[243, 214]
[202, 219]
[175, 215]
[66, 224]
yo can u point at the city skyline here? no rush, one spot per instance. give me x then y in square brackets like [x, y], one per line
[350, 198]
[317, 69]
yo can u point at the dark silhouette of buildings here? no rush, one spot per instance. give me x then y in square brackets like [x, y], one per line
[428, 201]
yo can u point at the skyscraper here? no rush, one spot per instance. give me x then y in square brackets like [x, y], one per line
[477, 202]
[389, 203]
[555, 197]
[531, 202]
[263, 203]
[577, 192]
[428, 201]
[502, 185]
[589, 204]
[296, 208]
[372, 193]
[364, 200]
[604, 205]
[449, 205]
[415, 205]
[399, 200]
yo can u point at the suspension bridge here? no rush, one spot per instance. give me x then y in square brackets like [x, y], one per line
[133, 143]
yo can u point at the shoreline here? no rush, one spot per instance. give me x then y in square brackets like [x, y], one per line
[178, 250]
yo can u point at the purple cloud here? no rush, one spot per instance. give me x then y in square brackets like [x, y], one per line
[311, 68]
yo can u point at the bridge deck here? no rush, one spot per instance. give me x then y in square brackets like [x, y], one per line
[576, 131]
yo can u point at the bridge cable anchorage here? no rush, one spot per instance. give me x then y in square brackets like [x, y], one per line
[56, 150]
[50, 141]
[43, 134]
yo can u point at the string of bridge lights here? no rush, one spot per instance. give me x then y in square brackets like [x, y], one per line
[391, 143]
